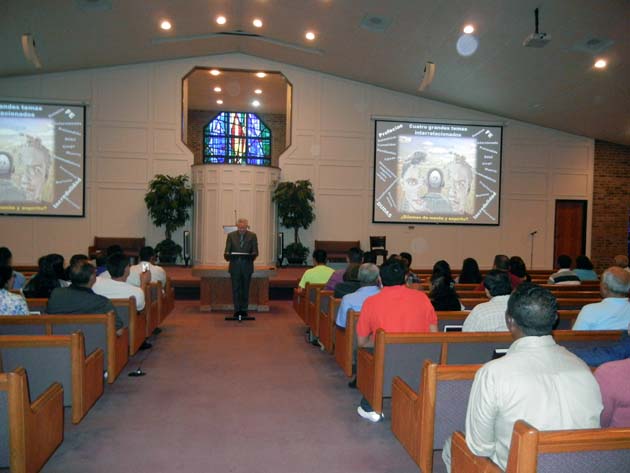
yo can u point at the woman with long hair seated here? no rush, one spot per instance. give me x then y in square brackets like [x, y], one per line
[470, 272]
[49, 276]
[518, 269]
[584, 269]
[443, 295]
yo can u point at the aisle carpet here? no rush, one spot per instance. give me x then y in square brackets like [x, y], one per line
[226, 397]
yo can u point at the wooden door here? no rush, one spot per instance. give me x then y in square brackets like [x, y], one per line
[570, 229]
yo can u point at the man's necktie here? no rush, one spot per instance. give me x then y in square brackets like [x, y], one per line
[242, 240]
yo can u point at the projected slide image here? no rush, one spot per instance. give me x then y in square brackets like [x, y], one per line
[41, 159]
[436, 173]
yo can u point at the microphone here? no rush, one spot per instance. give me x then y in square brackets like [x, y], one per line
[533, 233]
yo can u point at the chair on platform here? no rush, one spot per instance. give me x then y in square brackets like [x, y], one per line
[378, 246]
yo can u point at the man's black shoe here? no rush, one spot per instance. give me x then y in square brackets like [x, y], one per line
[353, 384]
[157, 331]
[145, 346]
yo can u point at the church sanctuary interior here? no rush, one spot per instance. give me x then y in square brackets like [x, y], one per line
[444, 130]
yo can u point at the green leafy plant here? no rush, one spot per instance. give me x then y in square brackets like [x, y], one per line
[295, 210]
[168, 201]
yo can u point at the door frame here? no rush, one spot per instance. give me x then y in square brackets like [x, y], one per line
[584, 203]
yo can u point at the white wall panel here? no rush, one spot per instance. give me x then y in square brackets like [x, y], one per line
[565, 184]
[571, 157]
[122, 94]
[115, 139]
[122, 170]
[340, 177]
[343, 148]
[170, 167]
[523, 183]
[125, 215]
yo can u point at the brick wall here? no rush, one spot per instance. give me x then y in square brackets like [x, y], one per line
[198, 119]
[611, 203]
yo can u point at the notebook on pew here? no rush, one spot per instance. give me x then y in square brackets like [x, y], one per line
[453, 328]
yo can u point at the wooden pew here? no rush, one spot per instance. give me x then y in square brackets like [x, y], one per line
[566, 319]
[558, 451]
[450, 317]
[152, 309]
[345, 341]
[398, 354]
[312, 305]
[423, 420]
[135, 320]
[567, 303]
[99, 331]
[29, 432]
[157, 295]
[328, 306]
[299, 302]
[61, 358]
[169, 296]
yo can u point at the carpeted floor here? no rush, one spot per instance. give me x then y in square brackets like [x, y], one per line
[226, 397]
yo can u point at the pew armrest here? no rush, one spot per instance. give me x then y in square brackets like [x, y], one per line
[365, 377]
[45, 427]
[465, 461]
[91, 386]
[405, 418]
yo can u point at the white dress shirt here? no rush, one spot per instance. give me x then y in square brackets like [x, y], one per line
[488, 316]
[157, 274]
[612, 313]
[537, 381]
[113, 289]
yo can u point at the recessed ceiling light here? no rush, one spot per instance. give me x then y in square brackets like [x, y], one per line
[221, 20]
[260, 74]
[600, 63]
[257, 23]
[217, 89]
[215, 72]
[220, 102]
[258, 91]
[310, 35]
[165, 25]
[256, 103]
[469, 29]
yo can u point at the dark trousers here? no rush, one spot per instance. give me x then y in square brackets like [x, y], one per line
[241, 272]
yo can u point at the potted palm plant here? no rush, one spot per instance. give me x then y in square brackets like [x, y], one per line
[295, 210]
[168, 201]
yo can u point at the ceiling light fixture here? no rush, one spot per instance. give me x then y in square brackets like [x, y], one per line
[261, 74]
[217, 89]
[256, 103]
[220, 102]
[215, 72]
[257, 23]
[221, 20]
[258, 91]
[469, 29]
[600, 63]
[165, 25]
[310, 35]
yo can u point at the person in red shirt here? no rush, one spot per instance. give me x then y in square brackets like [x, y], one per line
[396, 308]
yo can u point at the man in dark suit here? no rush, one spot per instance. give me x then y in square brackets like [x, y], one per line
[241, 249]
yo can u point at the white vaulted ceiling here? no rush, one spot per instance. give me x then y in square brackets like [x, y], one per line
[555, 86]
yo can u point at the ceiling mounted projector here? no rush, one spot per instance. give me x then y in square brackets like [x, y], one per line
[29, 50]
[537, 39]
[427, 78]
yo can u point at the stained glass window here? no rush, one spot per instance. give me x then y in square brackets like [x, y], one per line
[237, 138]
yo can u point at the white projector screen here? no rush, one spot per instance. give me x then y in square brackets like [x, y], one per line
[436, 173]
[42, 159]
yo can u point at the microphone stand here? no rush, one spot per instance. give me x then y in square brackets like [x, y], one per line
[531, 253]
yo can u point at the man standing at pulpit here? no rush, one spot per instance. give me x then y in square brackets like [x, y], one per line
[241, 249]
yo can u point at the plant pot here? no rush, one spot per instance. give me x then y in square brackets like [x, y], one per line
[295, 260]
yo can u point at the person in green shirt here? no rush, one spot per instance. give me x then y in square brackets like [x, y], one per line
[318, 274]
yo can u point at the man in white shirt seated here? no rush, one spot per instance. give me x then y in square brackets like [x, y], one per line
[490, 316]
[613, 312]
[564, 276]
[537, 381]
[116, 287]
[147, 259]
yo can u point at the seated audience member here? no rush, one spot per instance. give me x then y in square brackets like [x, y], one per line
[599, 355]
[502, 263]
[116, 287]
[73, 260]
[79, 298]
[6, 259]
[318, 274]
[368, 277]
[147, 256]
[369, 257]
[442, 269]
[443, 295]
[564, 276]
[622, 262]
[490, 316]
[614, 384]
[10, 304]
[353, 258]
[584, 269]
[57, 262]
[613, 312]
[411, 277]
[46, 279]
[396, 308]
[537, 381]
[518, 269]
[350, 282]
[470, 272]
[101, 268]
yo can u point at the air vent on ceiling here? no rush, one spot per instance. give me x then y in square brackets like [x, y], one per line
[375, 23]
[94, 5]
[593, 45]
